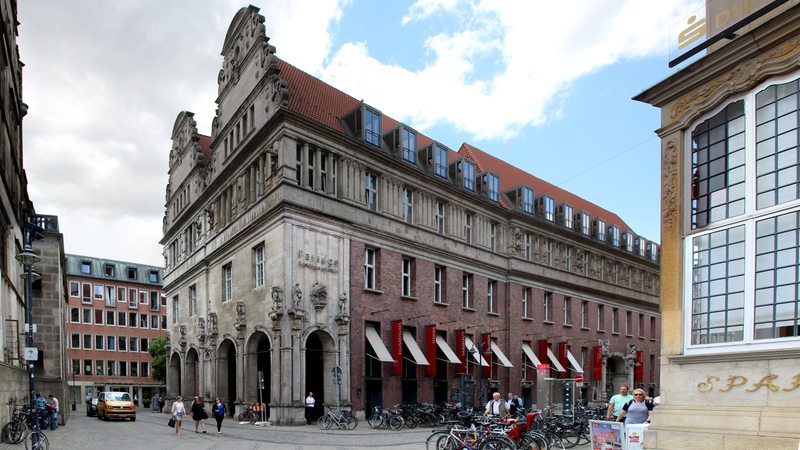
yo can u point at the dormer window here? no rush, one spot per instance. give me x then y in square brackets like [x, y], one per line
[522, 198]
[402, 142]
[545, 207]
[639, 246]
[489, 185]
[86, 267]
[627, 241]
[599, 229]
[652, 251]
[434, 159]
[108, 269]
[463, 173]
[613, 236]
[365, 123]
[564, 215]
[583, 223]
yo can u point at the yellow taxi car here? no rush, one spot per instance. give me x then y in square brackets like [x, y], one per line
[115, 405]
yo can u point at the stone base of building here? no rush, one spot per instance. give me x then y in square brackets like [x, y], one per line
[655, 439]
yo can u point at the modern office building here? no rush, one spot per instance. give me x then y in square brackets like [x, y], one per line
[115, 310]
[730, 225]
[313, 243]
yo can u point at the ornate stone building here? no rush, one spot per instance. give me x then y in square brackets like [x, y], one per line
[317, 244]
[730, 205]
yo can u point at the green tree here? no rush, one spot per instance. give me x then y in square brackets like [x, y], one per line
[158, 350]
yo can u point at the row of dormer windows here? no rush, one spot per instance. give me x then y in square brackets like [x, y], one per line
[239, 131]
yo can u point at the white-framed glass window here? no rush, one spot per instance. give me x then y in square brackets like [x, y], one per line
[259, 265]
[371, 191]
[175, 310]
[122, 343]
[491, 288]
[438, 215]
[98, 292]
[743, 229]
[466, 281]
[123, 368]
[86, 293]
[526, 295]
[99, 342]
[407, 199]
[438, 278]
[87, 341]
[143, 320]
[493, 236]
[155, 304]
[439, 160]
[74, 289]
[370, 268]
[134, 369]
[98, 316]
[567, 311]
[111, 368]
[75, 315]
[87, 366]
[111, 296]
[111, 318]
[227, 282]
[468, 227]
[406, 276]
[145, 369]
[132, 322]
[547, 303]
[143, 296]
[75, 340]
[154, 321]
[192, 300]
[134, 344]
[87, 315]
[584, 314]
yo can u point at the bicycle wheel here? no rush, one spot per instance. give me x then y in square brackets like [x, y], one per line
[411, 421]
[396, 423]
[36, 440]
[252, 417]
[431, 442]
[351, 423]
[242, 417]
[497, 443]
[533, 441]
[325, 422]
[555, 442]
[14, 433]
[375, 421]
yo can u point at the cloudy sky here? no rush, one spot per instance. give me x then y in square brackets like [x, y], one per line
[546, 86]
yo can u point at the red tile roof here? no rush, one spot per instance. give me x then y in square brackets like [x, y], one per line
[316, 100]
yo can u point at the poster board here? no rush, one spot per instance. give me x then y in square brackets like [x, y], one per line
[607, 435]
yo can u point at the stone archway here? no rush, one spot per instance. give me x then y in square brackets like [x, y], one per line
[191, 383]
[321, 358]
[174, 375]
[616, 374]
[226, 375]
[258, 358]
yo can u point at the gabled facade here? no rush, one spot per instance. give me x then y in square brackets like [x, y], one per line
[317, 244]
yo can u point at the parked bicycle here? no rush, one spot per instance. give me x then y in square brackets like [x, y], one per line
[17, 428]
[343, 419]
[386, 418]
[248, 414]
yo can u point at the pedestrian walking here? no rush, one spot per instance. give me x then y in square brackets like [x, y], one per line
[219, 413]
[310, 403]
[154, 403]
[199, 414]
[178, 410]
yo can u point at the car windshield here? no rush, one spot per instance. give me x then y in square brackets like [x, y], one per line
[118, 397]
[94, 401]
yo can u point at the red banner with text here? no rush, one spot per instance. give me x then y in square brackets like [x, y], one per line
[597, 363]
[485, 349]
[461, 351]
[397, 347]
[430, 350]
[563, 348]
[638, 372]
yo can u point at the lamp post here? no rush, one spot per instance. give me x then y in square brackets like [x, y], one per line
[28, 258]
[481, 352]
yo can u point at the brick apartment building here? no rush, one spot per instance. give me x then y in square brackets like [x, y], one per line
[115, 309]
[314, 243]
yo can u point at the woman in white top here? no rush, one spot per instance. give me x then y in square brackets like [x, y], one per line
[178, 411]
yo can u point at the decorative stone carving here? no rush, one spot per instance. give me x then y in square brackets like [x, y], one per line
[344, 317]
[669, 186]
[201, 329]
[319, 296]
[182, 338]
[277, 304]
[298, 296]
[212, 325]
[241, 316]
[516, 246]
[168, 337]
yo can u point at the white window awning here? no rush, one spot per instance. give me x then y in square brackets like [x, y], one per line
[531, 356]
[554, 361]
[377, 344]
[412, 347]
[574, 362]
[500, 355]
[448, 352]
[476, 353]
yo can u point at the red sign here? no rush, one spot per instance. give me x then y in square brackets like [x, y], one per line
[597, 363]
[638, 372]
[461, 351]
[563, 348]
[430, 350]
[397, 347]
[543, 347]
[579, 378]
[485, 346]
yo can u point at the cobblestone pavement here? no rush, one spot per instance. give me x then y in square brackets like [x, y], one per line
[150, 431]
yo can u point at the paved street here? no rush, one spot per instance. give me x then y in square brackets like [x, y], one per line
[150, 431]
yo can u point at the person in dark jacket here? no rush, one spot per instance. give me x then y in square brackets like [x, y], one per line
[219, 413]
[198, 414]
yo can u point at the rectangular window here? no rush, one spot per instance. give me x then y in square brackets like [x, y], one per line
[407, 275]
[75, 340]
[87, 315]
[99, 342]
[493, 237]
[175, 310]
[134, 369]
[87, 341]
[87, 367]
[601, 318]
[546, 306]
[154, 321]
[370, 269]
[108, 269]
[121, 294]
[438, 278]
[408, 205]
[132, 295]
[491, 288]
[154, 300]
[526, 295]
[567, 310]
[134, 344]
[312, 158]
[371, 191]
[122, 318]
[98, 316]
[227, 282]
[86, 267]
[628, 323]
[408, 144]
[133, 273]
[439, 160]
[98, 367]
[372, 127]
[123, 368]
[76, 366]
[438, 214]
[132, 320]
[74, 289]
[584, 314]
[145, 369]
[528, 246]
[192, 300]
[110, 317]
[468, 228]
[259, 265]
[98, 292]
[111, 367]
[615, 320]
[641, 325]
[466, 282]
[142, 320]
[143, 297]
[653, 328]
[75, 315]
[145, 343]
[122, 342]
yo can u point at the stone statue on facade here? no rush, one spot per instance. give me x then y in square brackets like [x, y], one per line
[241, 316]
[277, 303]
[212, 325]
[201, 329]
[343, 318]
[182, 338]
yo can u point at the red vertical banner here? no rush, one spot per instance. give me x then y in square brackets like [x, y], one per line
[543, 347]
[461, 351]
[597, 363]
[563, 347]
[430, 350]
[485, 349]
[397, 347]
[638, 372]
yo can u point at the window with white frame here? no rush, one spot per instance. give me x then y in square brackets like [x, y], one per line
[584, 314]
[438, 278]
[741, 247]
[371, 191]
[493, 236]
[74, 289]
[491, 288]
[438, 215]
[468, 227]
[75, 315]
[111, 368]
[526, 295]
[132, 298]
[110, 317]
[259, 265]
[407, 276]
[98, 292]
[567, 311]
[546, 305]
[227, 282]
[528, 246]
[111, 343]
[99, 342]
[87, 315]
[175, 310]
[193, 300]
[370, 268]
[122, 318]
[601, 318]
[408, 205]
[466, 282]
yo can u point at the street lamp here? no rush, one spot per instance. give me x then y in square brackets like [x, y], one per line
[28, 258]
[481, 352]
